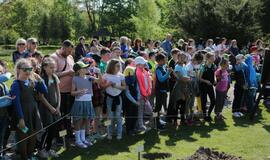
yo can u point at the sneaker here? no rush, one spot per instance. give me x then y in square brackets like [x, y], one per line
[53, 154]
[236, 115]
[43, 154]
[87, 143]
[240, 114]
[162, 122]
[109, 137]
[119, 137]
[80, 145]
[141, 129]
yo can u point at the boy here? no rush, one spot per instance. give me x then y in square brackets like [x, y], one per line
[240, 86]
[162, 85]
[172, 64]
[105, 57]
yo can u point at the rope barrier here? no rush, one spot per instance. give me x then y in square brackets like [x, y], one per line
[98, 117]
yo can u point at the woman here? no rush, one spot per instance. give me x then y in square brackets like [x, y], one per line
[234, 48]
[20, 50]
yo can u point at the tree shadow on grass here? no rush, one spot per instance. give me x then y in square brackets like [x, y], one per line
[113, 147]
[185, 132]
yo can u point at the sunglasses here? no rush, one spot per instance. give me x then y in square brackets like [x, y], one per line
[34, 43]
[27, 69]
[21, 44]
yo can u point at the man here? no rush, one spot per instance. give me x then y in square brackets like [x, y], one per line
[64, 71]
[80, 50]
[32, 45]
[167, 45]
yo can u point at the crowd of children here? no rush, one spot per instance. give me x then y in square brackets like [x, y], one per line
[150, 86]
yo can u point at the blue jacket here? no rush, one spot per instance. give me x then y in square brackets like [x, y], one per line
[167, 46]
[251, 73]
[4, 102]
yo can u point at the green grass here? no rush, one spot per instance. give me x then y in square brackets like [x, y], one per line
[239, 137]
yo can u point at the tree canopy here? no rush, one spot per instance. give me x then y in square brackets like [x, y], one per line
[55, 20]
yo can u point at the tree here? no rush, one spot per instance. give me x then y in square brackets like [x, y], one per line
[210, 18]
[44, 29]
[147, 20]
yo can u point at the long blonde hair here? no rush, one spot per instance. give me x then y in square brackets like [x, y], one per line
[19, 64]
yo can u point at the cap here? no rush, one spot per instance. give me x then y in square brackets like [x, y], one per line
[253, 48]
[81, 37]
[140, 60]
[67, 43]
[79, 65]
[88, 61]
[32, 40]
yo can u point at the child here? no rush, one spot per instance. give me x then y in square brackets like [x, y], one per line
[24, 88]
[180, 93]
[5, 102]
[162, 85]
[115, 85]
[222, 77]
[105, 57]
[207, 79]
[172, 63]
[49, 107]
[252, 85]
[82, 109]
[193, 72]
[240, 85]
[152, 62]
[144, 84]
[131, 93]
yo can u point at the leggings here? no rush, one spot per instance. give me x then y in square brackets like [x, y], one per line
[47, 137]
[207, 90]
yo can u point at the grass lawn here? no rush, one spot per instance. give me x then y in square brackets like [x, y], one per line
[239, 137]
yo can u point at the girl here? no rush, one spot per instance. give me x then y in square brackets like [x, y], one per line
[82, 108]
[114, 87]
[222, 77]
[25, 86]
[144, 84]
[207, 81]
[49, 107]
[180, 93]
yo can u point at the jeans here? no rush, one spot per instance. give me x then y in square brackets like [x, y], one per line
[238, 98]
[114, 116]
[3, 126]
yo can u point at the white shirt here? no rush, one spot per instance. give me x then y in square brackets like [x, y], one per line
[117, 80]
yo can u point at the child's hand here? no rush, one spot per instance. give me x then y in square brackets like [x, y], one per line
[208, 82]
[170, 69]
[52, 110]
[37, 77]
[21, 123]
[10, 97]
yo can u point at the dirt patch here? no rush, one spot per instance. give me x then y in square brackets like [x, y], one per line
[208, 154]
[153, 156]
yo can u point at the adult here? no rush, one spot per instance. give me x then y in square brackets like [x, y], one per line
[234, 48]
[32, 46]
[20, 50]
[64, 71]
[167, 45]
[80, 49]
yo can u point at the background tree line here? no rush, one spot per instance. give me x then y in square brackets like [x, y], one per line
[55, 20]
